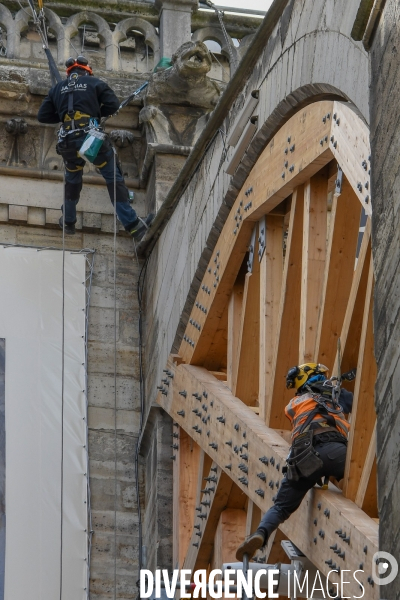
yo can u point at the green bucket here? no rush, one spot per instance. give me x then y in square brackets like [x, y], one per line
[92, 144]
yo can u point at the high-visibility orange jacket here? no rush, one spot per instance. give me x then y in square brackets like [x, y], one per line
[300, 407]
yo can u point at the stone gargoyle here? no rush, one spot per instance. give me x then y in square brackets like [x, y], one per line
[178, 100]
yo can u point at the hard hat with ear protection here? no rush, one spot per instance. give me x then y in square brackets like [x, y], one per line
[297, 376]
[81, 63]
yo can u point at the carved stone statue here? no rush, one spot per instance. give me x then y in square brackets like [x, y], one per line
[179, 99]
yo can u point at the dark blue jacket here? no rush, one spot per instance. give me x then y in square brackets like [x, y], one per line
[91, 96]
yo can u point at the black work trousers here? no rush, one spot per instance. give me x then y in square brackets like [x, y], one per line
[105, 163]
[291, 493]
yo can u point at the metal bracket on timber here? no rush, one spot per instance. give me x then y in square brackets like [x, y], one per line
[247, 450]
[304, 145]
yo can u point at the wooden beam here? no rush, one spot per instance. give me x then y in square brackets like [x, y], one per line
[234, 436]
[293, 156]
[271, 269]
[202, 540]
[245, 381]
[366, 497]
[216, 358]
[313, 263]
[259, 196]
[337, 282]
[274, 553]
[253, 517]
[205, 463]
[286, 346]
[363, 416]
[213, 296]
[352, 324]
[187, 465]
[234, 319]
[308, 151]
[229, 534]
[349, 143]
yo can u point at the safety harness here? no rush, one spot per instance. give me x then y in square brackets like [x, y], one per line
[318, 404]
[303, 459]
[74, 120]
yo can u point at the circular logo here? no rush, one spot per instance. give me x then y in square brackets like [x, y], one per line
[384, 568]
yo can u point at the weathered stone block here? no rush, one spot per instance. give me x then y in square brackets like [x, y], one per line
[8, 234]
[107, 224]
[129, 327]
[101, 324]
[17, 213]
[107, 470]
[104, 491]
[100, 271]
[103, 297]
[79, 220]
[103, 521]
[101, 359]
[35, 236]
[104, 419]
[105, 244]
[91, 220]
[101, 392]
[125, 271]
[102, 447]
[36, 216]
[4, 213]
[52, 216]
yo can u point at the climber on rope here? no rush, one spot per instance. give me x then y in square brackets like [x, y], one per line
[319, 444]
[79, 103]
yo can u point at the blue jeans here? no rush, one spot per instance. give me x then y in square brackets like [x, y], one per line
[105, 163]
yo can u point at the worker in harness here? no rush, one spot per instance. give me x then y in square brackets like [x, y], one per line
[319, 444]
[79, 102]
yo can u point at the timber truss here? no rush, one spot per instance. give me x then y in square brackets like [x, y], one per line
[290, 274]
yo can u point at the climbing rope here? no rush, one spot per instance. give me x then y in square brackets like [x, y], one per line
[39, 20]
[62, 397]
[125, 102]
[227, 38]
[115, 372]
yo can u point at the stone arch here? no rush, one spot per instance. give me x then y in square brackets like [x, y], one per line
[103, 30]
[151, 36]
[7, 20]
[215, 34]
[302, 75]
[56, 25]
[21, 22]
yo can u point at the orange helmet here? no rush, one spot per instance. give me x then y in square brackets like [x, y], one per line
[81, 62]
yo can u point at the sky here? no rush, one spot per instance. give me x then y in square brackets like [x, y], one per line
[252, 4]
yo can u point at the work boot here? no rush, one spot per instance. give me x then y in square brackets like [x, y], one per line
[142, 225]
[69, 227]
[254, 542]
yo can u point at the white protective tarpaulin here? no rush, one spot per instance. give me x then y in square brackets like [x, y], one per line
[31, 321]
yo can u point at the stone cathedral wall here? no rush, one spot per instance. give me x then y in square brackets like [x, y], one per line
[309, 55]
[123, 43]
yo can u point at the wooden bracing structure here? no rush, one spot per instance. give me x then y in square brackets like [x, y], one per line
[290, 274]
